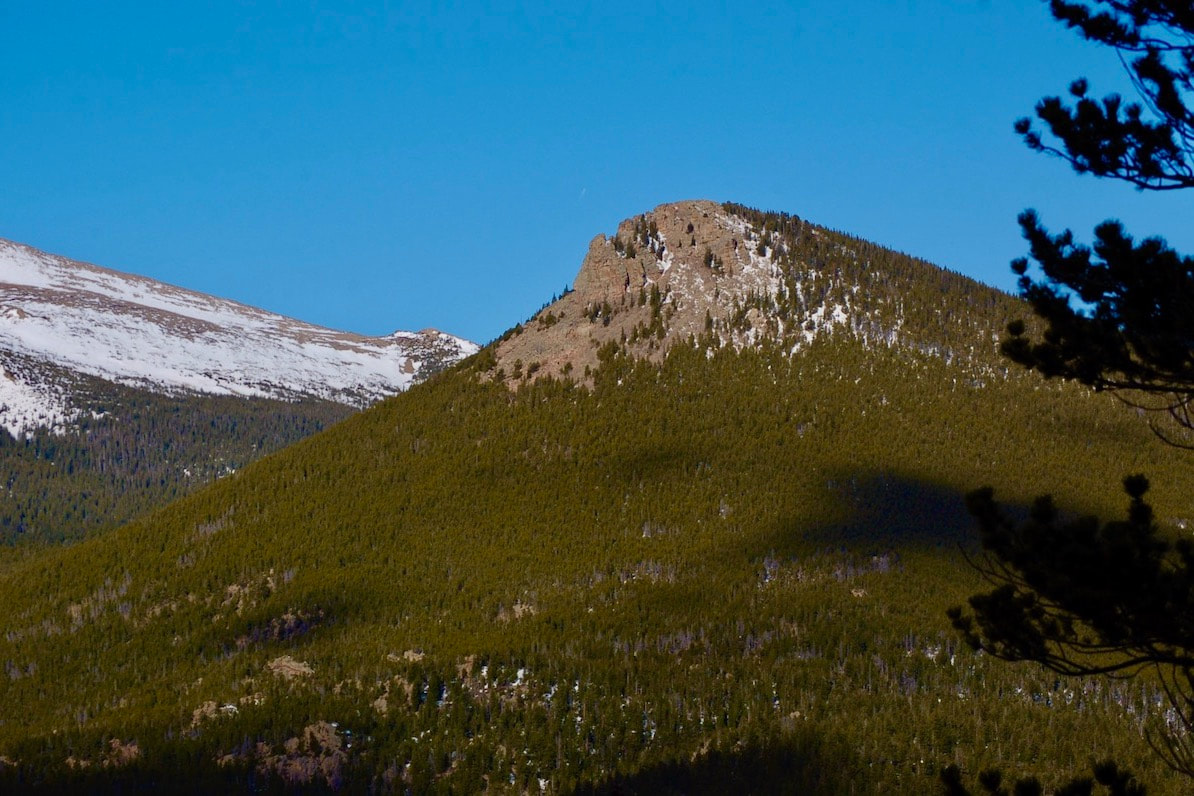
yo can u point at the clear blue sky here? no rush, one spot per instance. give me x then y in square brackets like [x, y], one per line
[374, 166]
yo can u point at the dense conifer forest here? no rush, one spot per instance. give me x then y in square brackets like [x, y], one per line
[731, 564]
[133, 450]
[713, 561]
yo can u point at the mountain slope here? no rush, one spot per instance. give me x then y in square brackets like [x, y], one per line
[743, 277]
[135, 451]
[138, 332]
[121, 393]
[727, 562]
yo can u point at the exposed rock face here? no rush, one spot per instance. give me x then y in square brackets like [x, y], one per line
[317, 756]
[118, 754]
[679, 234]
[727, 275]
[288, 668]
[676, 271]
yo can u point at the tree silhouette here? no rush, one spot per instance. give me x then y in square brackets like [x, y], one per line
[1118, 314]
[1078, 596]
[1085, 598]
[1116, 781]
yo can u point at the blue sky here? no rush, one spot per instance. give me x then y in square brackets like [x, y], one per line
[374, 166]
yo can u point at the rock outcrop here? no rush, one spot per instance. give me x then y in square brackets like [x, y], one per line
[672, 273]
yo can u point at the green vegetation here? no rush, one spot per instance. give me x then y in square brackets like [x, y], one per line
[133, 451]
[707, 566]
[726, 569]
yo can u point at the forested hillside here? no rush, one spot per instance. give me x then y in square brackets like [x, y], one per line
[119, 393]
[133, 450]
[721, 567]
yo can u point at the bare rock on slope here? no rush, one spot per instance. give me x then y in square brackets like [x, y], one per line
[674, 272]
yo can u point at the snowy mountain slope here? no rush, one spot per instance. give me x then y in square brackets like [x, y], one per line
[58, 315]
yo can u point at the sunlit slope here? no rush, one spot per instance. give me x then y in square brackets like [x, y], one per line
[742, 553]
[62, 314]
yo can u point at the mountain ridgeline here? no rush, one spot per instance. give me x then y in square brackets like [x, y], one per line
[119, 393]
[691, 528]
[735, 276]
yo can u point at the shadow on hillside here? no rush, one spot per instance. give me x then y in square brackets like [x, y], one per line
[890, 510]
[655, 462]
[804, 763]
[898, 510]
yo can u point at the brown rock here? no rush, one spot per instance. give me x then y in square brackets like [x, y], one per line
[699, 260]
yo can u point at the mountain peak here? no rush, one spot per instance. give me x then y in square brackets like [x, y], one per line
[742, 277]
[675, 272]
[61, 315]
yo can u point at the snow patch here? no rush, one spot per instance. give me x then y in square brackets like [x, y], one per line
[139, 332]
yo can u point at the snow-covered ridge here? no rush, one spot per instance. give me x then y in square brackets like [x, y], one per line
[137, 331]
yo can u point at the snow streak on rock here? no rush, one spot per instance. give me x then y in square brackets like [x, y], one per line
[684, 270]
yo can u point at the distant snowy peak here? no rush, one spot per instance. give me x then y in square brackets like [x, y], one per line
[132, 330]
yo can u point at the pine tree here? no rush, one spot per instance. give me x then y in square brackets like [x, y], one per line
[1078, 596]
[1119, 315]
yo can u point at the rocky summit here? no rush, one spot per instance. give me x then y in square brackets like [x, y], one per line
[744, 278]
